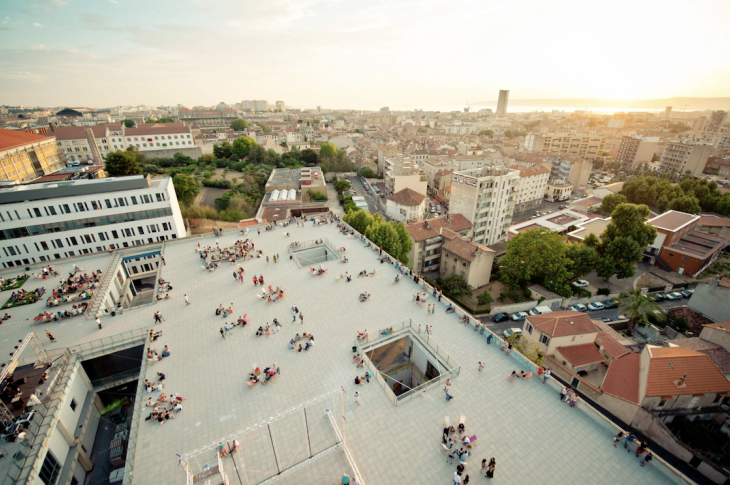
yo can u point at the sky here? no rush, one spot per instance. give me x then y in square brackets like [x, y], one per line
[358, 54]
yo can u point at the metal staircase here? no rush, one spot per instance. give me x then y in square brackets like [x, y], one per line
[100, 292]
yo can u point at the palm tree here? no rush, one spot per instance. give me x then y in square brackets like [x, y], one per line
[637, 308]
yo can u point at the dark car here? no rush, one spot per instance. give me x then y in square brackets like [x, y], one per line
[500, 317]
[657, 297]
[608, 304]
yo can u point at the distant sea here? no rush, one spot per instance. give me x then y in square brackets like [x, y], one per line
[533, 109]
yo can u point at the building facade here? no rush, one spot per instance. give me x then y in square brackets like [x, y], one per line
[637, 149]
[427, 239]
[26, 156]
[486, 197]
[717, 118]
[680, 157]
[462, 257]
[581, 144]
[209, 118]
[531, 187]
[45, 222]
[406, 205]
[502, 102]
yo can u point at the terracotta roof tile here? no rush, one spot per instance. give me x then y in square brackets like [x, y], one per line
[580, 355]
[612, 348]
[432, 227]
[407, 197]
[464, 249]
[560, 324]
[669, 364]
[622, 378]
[157, 128]
[16, 138]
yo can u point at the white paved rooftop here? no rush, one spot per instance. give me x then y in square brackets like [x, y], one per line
[534, 437]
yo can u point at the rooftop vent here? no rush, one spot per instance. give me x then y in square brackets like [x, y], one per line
[571, 323]
[680, 382]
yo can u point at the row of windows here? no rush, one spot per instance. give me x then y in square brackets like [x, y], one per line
[84, 207]
[82, 223]
[99, 249]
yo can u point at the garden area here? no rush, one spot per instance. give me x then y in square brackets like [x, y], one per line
[719, 269]
[15, 283]
[704, 436]
[26, 299]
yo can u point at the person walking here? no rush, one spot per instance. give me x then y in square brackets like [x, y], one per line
[50, 336]
[480, 366]
[119, 307]
[163, 260]
[546, 375]
[267, 260]
[345, 479]
[301, 318]
[646, 459]
[223, 333]
[187, 302]
[357, 397]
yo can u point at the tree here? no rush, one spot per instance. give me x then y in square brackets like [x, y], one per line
[327, 150]
[367, 172]
[688, 204]
[128, 123]
[223, 150]
[509, 134]
[455, 285]
[342, 186]
[161, 120]
[624, 240]
[182, 160]
[489, 133]
[120, 163]
[637, 308]
[662, 204]
[186, 188]
[592, 241]
[318, 196]
[537, 256]
[582, 259]
[309, 157]
[610, 202]
[484, 298]
[242, 146]
[239, 124]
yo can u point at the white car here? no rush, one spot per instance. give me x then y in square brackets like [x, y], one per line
[595, 306]
[673, 296]
[578, 308]
[580, 283]
[516, 317]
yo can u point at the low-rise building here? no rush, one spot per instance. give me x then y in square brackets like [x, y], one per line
[425, 255]
[559, 329]
[711, 298]
[27, 156]
[406, 205]
[462, 257]
[558, 190]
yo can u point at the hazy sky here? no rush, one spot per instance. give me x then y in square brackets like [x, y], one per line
[358, 54]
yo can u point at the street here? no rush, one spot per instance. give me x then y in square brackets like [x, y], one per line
[373, 205]
[544, 207]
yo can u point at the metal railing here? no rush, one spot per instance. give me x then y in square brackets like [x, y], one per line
[136, 417]
[116, 379]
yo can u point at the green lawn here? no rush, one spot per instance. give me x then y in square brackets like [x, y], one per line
[16, 285]
[31, 298]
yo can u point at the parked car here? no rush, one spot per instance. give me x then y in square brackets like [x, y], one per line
[608, 319]
[512, 331]
[657, 297]
[595, 306]
[578, 308]
[673, 296]
[687, 293]
[516, 317]
[500, 317]
[433, 211]
[580, 283]
[608, 304]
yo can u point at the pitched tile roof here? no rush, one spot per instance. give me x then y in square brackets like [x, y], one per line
[717, 354]
[157, 128]
[580, 355]
[669, 364]
[17, 138]
[721, 325]
[76, 132]
[622, 378]
[407, 197]
[432, 227]
[560, 324]
[465, 249]
[612, 348]
[530, 171]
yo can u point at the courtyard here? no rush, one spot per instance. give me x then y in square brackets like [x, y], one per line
[533, 436]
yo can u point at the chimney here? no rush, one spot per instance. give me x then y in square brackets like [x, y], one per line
[680, 382]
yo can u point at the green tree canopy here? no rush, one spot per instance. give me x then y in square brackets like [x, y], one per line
[342, 186]
[123, 162]
[128, 123]
[456, 285]
[223, 150]
[239, 124]
[623, 241]
[367, 172]
[537, 256]
[610, 202]
[582, 259]
[489, 133]
[161, 120]
[242, 146]
[186, 188]
[327, 150]
[637, 308]
[309, 157]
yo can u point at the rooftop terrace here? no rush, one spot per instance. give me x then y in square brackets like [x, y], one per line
[534, 437]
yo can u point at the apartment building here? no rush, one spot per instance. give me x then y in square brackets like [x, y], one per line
[637, 149]
[531, 187]
[44, 222]
[486, 197]
[717, 118]
[558, 190]
[209, 118]
[589, 145]
[85, 144]
[425, 255]
[26, 156]
[502, 102]
[255, 105]
[280, 106]
[401, 173]
[572, 169]
[682, 156]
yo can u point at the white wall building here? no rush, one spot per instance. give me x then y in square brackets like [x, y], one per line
[531, 187]
[486, 197]
[406, 205]
[44, 222]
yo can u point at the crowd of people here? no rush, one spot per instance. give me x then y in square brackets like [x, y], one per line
[296, 343]
[22, 297]
[4, 283]
[269, 373]
[45, 317]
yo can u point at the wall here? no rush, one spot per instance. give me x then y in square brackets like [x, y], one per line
[712, 300]
[716, 336]
[78, 392]
[419, 357]
[412, 182]
[192, 151]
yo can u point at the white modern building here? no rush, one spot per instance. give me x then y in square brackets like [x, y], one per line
[486, 198]
[531, 187]
[79, 143]
[255, 105]
[44, 222]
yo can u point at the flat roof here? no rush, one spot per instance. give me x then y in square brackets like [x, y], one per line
[74, 188]
[391, 445]
[673, 220]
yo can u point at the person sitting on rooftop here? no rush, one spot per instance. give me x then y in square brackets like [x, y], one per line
[450, 309]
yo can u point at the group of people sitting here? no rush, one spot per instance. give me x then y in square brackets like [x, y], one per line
[362, 335]
[74, 284]
[55, 300]
[152, 354]
[272, 294]
[420, 298]
[364, 296]
[293, 342]
[164, 407]
[46, 271]
[347, 276]
[6, 317]
[364, 273]
[365, 378]
[318, 271]
[268, 329]
[239, 250]
[519, 375]
[268, 374]
[45, 317]
[221, 310]
[32, 296]
[5, 283]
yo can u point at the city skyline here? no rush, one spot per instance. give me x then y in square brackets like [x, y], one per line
[342, 54]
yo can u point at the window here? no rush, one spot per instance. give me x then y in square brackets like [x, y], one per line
[59, 244]
[529, 328]
[65, 209]
[102, 236]
[545, 339]
[140, 229]
[114, 233]
[73, 404]
[49, 470]
[94, 205]
[37, 212]
[73, 240]
[108, 203]
[44, 245]
[134, 200]
[661, 404]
